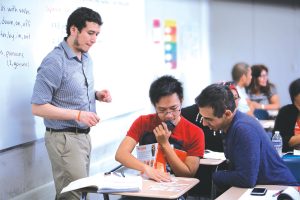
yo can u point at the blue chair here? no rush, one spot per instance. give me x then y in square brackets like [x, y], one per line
[293, 163]
[261, 114]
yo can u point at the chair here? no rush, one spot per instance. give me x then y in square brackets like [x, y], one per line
[293, 163]
[261, 114]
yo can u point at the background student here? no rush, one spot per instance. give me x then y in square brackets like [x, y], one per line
[166, 95]
[288, 119]
[262, 93]
[251, 157]
[242, 75]
[64, 96]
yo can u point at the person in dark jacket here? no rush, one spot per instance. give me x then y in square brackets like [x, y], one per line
[288, 119]
[213, 141]
[249, 152]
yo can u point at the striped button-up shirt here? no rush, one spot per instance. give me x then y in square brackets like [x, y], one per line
[66, 82]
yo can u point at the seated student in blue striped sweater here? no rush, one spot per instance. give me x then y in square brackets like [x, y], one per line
[251, 156]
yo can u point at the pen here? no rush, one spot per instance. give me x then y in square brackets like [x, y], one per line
[277, 193]
[115, 173]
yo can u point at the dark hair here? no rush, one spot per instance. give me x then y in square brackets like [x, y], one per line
[164, 86]
[218, 97]
[238, 70]
[254, 86]
[294, 89]
[80, 16]
[231, 86]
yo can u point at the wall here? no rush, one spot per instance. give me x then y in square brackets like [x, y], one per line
[256, 31]
[192, 22]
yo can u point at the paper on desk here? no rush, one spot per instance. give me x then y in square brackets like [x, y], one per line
[296, 152]
[267, 196]
[214, 155]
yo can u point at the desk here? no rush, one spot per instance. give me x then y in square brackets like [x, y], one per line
[166, 190]
[267, 124]
[152, 189]
[234, 193]
[211, 161]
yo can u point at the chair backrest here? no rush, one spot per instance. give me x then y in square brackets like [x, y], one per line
[261, 114]
[293, 163]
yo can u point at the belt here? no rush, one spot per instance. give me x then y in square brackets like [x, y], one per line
[70, 129]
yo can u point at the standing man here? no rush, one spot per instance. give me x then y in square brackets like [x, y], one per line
[242, 75]
[166, 95]
[251, 157]
[64, 96]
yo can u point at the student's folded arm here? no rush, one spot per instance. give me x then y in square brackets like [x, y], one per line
[294, 141]
[188, 168]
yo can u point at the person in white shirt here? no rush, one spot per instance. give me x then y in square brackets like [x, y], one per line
[241, 75]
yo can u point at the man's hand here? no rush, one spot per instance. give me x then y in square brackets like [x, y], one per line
[88, 118]
[104, 95]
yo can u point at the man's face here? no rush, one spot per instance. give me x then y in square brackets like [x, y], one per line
[84, 39]
[213, 122]
[168, 108]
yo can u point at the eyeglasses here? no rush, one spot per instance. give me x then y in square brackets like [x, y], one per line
[173, 111]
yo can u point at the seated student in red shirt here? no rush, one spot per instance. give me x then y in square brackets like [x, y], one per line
[166, 95]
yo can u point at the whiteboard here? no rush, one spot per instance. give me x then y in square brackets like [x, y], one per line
[31, 29]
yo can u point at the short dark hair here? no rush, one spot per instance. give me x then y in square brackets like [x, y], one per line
[294, 89]
[80, 16]
[164, 86]
[238, 70]
[218, 97]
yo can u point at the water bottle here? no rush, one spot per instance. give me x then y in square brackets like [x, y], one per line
[277, 142]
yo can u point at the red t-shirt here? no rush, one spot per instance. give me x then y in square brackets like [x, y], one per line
[190, 135]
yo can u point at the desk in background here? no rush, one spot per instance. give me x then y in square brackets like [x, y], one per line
[267, 124]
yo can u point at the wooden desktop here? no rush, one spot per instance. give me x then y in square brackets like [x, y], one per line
[166, 190]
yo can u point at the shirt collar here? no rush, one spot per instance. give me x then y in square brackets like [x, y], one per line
[69, 52]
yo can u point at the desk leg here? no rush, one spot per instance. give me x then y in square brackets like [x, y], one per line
[213, 192]
[105, 196]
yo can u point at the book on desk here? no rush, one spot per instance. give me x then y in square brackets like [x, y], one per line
[102, 183]
[152, 155]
